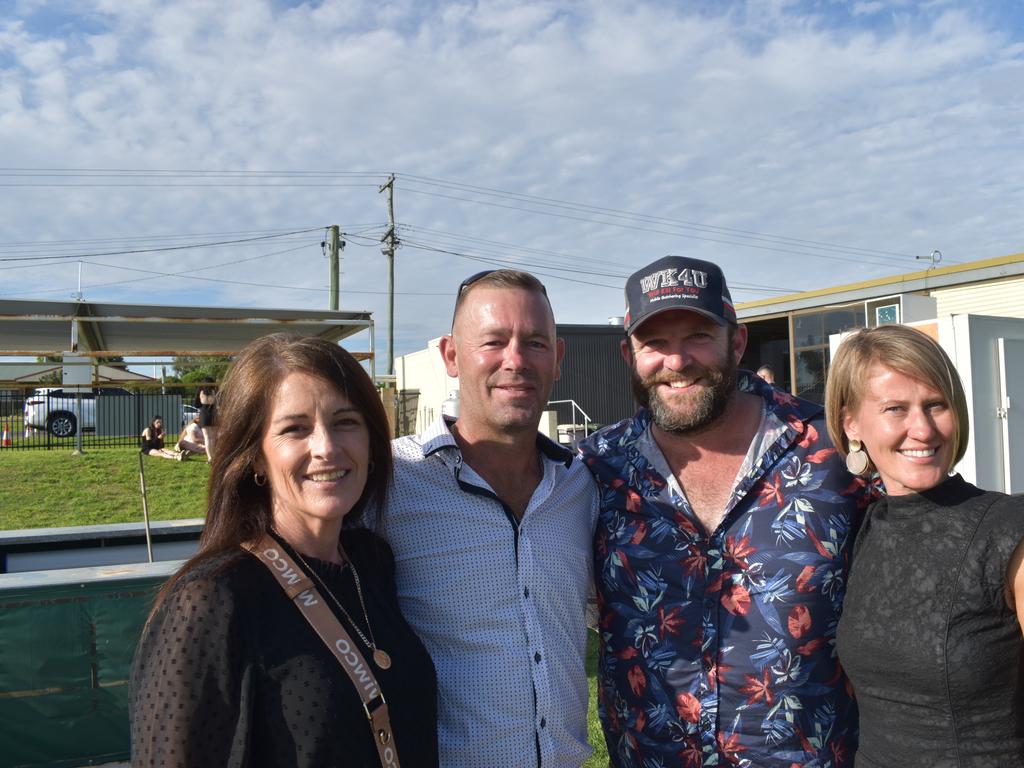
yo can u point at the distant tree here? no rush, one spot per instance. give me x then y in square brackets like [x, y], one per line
[54, 376]
[199, 369]
[115, 361]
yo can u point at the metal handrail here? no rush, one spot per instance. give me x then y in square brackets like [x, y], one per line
[575, 407]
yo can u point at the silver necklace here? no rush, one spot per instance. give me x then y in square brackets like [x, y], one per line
[380, 656]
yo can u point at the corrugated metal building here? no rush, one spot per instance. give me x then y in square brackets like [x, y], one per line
[593, 374]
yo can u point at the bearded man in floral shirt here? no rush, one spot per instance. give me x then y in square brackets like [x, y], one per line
[722, 548]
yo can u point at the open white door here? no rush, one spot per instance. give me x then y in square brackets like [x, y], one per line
[1011, 413]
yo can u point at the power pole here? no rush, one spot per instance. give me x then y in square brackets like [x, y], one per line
[334, 246]
[390, 241]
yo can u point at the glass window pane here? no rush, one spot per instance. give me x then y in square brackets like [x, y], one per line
[810, 374]
[807, 330]
[839, 320]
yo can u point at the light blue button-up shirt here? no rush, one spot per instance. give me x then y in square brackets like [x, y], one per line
[500, 604]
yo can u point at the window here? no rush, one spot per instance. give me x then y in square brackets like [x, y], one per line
[810, 343]
[888, 314]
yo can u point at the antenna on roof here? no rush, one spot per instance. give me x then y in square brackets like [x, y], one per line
[934, 257]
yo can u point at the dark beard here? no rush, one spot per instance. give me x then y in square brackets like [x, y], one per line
[706, 412]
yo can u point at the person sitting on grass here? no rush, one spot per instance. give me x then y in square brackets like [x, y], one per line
[153, 441]
[191, 439]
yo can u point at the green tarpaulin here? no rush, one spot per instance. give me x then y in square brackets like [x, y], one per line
[65, 657]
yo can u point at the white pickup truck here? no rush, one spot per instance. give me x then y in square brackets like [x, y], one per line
[55, 410]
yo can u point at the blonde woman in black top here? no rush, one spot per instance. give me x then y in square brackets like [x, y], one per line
[930, 635]
[228, 671]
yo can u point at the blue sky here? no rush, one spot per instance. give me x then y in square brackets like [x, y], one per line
[798, 144]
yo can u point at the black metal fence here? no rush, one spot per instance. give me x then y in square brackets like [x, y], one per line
[107, 415]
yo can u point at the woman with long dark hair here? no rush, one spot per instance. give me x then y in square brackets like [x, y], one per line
[230, 670]
[206, 402]
[152, 442]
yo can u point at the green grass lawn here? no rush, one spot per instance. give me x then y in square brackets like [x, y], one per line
[42, 489]
[600, 757]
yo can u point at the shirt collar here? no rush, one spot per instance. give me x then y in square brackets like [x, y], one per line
[790, 412]
[438, 436]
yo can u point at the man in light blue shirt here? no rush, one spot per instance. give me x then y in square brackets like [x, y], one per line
[492, 528]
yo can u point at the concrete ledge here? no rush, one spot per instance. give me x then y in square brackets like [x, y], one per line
[110, 531]
[70, 576]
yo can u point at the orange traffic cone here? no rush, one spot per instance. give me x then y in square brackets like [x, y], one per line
[6, 440]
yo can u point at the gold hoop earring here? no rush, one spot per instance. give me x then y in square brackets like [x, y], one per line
[856, 458]
[259, 479]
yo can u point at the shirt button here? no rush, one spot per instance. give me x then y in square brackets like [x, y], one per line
[526, 592]
[543, 722]
[536, 657]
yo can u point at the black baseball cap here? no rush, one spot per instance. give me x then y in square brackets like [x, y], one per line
[678, 282]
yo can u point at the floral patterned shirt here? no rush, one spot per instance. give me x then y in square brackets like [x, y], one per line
[720, 650]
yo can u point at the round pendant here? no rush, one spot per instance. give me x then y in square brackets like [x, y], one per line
[857, 462]
[381, 659]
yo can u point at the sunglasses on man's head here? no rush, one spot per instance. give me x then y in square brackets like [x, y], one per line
[465, 284]
[480, 276]
[474, 278]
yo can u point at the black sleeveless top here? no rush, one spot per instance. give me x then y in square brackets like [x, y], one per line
[926, 637]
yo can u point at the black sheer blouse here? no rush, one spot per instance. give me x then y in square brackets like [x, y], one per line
[229, 673]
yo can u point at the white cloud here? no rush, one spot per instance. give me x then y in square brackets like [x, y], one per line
[896, 138]
[868, 8]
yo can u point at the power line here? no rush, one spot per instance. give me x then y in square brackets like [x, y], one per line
[125, 185]
[771, 242]
[129, 238]
[174, 172]
[580, 207]
[574, 277]
[185, 274]
[130, 173]
[72, 252]
[180, 235]
[503, 249]
[157, 249]
[619, 225]
[188, 272]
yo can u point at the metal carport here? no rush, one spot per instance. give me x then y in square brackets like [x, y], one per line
[99, 329]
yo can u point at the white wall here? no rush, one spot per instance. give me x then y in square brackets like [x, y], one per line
[999, 297]
[424, 370]
[917, 308]
[972, 342]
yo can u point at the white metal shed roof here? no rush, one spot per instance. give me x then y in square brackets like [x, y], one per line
[36, 328]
